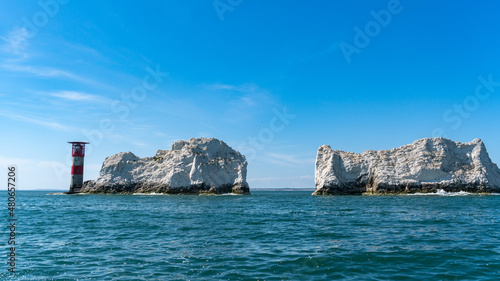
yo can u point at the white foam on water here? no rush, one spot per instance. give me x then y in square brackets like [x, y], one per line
[149, 194]
[62, 193]
[441, 192]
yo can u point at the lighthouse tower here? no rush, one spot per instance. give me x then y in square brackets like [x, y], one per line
[78, 152]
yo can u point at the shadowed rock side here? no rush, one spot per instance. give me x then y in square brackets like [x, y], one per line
[197, 166]
[424, 166]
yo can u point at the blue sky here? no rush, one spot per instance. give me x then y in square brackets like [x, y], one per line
[274, 79]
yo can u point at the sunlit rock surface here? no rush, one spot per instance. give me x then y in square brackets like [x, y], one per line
[197, 166]
[423, 166]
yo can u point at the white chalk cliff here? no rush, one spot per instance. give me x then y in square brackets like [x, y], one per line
[197, 166]
[423, 166]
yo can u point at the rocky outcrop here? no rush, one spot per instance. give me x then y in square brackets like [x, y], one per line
[197, 166]
[423, 166]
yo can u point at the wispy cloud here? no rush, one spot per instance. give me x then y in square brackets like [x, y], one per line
[44, 174]
[16, 42]
[48, 124]
[218, 86]
[160, 134]
[136, 143]
[42, 71]
[80, 97]
[250, 94]
[245, 101]
[5, 161]
[305, 181]
[271, 179]
[54, 73]
[287, 160]
[49, 72]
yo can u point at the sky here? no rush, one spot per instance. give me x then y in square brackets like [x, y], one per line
[272, 79]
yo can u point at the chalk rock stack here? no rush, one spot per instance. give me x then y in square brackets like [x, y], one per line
[423, 166]
[197, 166]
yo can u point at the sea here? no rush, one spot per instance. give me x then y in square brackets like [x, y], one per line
[269, 235]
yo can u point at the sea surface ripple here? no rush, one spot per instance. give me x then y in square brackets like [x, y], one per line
[270, 235]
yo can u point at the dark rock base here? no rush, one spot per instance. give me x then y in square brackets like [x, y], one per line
[382, 189]
[93, 188]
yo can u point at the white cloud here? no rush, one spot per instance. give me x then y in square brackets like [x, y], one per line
[5, 161]
[36, 174]
[287, 160]
[42, 71]
[251, 94]
[271, 179]
[49, 72]
[245, 101]
[49, 124]
[160, 134]
[221, 87]
[16, 41]
[79, 96]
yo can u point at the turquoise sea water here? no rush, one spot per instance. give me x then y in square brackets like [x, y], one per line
[269, 235]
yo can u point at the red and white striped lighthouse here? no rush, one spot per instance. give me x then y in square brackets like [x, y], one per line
[78, 152]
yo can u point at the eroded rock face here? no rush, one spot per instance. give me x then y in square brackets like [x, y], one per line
[197, 166]
[423, 166]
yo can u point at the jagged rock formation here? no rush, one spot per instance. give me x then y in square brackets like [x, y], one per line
[197, 166]
[424, 166]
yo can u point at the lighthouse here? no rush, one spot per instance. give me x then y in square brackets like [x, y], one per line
[77, 152]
